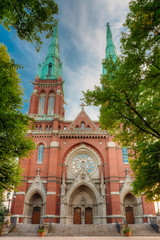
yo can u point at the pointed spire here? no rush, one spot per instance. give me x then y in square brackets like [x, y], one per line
[54, 46]
[52, 67]
[110, 47]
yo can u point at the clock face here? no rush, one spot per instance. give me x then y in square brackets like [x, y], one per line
[82, 161]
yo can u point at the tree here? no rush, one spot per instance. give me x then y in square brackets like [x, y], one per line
[130, 97]
[29, 18]
[14, 142]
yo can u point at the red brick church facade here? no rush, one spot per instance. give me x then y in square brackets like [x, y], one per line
[76, 174]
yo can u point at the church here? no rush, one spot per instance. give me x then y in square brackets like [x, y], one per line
[77, 174]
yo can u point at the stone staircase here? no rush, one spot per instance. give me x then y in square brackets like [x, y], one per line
[82, 230]
[144, 229]
[24, 230]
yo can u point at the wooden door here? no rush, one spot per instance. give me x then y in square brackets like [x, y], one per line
[77, 215]
[36, 215]
[129, 215]
[88, 216]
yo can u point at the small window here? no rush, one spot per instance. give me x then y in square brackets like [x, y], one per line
[88, 127]
[50, 128]
[49, 68]
[40, 153]
[36, 127]
[59, 127]
[77, 127]
[51, 105]
[125, 155]
[41, 104]
[82, 125]
[46, 127]
[64, 127]
[40, 128]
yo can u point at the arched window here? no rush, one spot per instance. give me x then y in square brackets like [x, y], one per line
[88, 127]
[41, 104]
[82, 125]
[51, 104]
[40, 128]
[77, 127]
[40, 153]
[49, 68]
[125, 155]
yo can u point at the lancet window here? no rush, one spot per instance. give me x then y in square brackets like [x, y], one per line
[82, 125]
[41, 104]
[49, 68]
[51, 104]
[125, 154]
[40, 153]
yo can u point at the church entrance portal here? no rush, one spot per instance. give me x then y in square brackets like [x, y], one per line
[129, 215]
[36, 215]
[77, 215]
[88, 216]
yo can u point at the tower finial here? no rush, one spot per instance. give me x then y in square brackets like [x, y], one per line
[52, 67]
[110, 47]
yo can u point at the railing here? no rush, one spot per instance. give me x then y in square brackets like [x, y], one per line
[13, 224]
[124, 220]
[118, 226]
[47, 227]
[154, 225]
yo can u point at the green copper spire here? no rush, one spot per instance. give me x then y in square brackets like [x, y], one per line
[52, 66]
[110, 48]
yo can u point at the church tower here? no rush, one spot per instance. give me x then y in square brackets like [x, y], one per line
[47, 99]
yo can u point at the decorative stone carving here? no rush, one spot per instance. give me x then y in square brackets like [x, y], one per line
[63, 186]
[111, 144]
[54, 144]
[102, 186]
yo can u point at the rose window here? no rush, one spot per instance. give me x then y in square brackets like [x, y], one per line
[82, 161]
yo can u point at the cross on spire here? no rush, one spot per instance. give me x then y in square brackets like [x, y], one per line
[82, 105]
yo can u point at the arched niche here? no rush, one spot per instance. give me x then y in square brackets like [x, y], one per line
[35, 200]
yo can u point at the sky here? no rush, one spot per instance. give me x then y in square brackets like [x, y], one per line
[82, 42]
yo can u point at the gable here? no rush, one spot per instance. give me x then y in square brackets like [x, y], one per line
[83, 120]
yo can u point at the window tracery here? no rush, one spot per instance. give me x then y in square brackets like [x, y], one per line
[82, 161]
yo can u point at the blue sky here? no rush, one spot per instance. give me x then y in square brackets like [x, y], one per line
[82, 41]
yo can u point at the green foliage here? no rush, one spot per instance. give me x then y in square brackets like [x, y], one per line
[130, 98]
[41, 229]
[2, 209]
[29, 18]
[126, 230]
[14, 142]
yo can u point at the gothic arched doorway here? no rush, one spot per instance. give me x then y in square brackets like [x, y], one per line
[130, 208]
[83, 205]
[34, 209]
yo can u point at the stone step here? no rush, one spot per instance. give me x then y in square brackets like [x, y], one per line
[24, 230]
[82, 230]
[144, 229]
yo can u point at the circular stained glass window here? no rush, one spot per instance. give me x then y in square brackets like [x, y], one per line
[82, 161]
